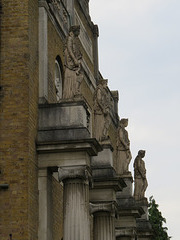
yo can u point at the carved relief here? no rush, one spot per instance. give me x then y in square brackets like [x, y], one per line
[73, 67]
[57, 4]
[65, 16]
[102, 106]
[60, 14]
[140, 176]
[123, 147]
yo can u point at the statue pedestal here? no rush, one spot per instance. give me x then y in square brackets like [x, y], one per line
[144, 204]
[104, 158]
[144, 228]
[127, 211]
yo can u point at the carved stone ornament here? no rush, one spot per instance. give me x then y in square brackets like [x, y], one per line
[74, 172]
[57, 4]
[73, 67]
[123, 147]
[140, 176]
[102, 107]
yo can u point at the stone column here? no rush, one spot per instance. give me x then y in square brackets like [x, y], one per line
[76, 202]
[104, 216]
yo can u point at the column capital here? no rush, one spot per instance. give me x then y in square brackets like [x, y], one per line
[73, 172]
[104, 207]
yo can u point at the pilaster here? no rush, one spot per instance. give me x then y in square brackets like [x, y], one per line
[45, 203]
[43, 52]
[127, 212]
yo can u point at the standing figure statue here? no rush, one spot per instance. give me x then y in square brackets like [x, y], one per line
[140, 176]
[101, 111]
[73, 69]
[123, 147]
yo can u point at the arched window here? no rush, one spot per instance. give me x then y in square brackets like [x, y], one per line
[58, 79]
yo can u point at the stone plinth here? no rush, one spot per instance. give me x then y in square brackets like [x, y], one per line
[144, 228]
[127, 191]
[127, 211]
[144, 204]
[104, 189]
[126, 221]
[104, 158]
[64, 121]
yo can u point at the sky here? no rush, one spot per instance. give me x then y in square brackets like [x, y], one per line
[139, 54]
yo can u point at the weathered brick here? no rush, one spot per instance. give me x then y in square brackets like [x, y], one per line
[18, 119]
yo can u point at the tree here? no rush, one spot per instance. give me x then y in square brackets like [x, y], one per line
[157, 220]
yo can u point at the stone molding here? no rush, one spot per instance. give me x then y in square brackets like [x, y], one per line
[124, 212]
[91, 146]
[115, 183]
[131, 232]
[110, 207]
[142, 202]
[74, 172]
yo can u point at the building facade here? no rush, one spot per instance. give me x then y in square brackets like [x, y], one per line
[64, 152]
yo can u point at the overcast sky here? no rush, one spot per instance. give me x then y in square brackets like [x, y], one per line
[139, 54]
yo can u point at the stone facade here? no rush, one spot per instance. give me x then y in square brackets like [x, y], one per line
[61, 175]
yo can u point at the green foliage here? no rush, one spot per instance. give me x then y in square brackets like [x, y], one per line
[157, 220]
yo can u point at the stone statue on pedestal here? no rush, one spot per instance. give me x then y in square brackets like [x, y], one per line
[73, 69]
[102, 105]
[123, 147]
[140, 176]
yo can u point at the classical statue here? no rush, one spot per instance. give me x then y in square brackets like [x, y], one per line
[140, 176]
[102, 106]
[123, 147]
[73, 69]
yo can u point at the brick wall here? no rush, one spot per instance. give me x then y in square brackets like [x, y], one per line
[18, 119]
[55, 48]
[57, 209]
